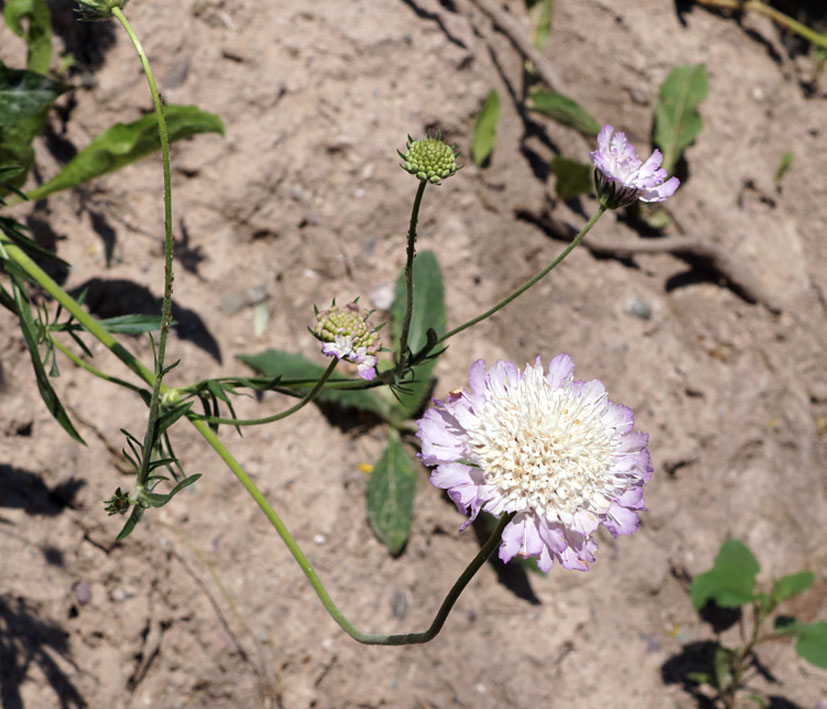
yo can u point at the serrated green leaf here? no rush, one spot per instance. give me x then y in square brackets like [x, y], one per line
[428, 313]
[731, 581]
[677, 121]
[573, 178]
[485, 128]
[274, 363]
[390, 495]
[124, 143]
[788, 586]
[812, 644]
[565, 111]
[784, 164]
[25, 93]
[38, 36]
[29, 330]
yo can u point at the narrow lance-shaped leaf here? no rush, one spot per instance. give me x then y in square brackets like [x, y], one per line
[677, 121]
[565, 111]
[124, 143]
[390, 495]
[428, 314]
[485, 128]
[29, 329]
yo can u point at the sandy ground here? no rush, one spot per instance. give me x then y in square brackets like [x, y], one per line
[304, 200]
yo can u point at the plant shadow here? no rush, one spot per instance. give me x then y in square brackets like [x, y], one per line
[27, 640]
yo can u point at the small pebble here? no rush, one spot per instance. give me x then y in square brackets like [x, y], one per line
[83, 594]
[399, 604]
[636, 307]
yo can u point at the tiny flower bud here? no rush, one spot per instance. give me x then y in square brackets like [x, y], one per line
[118, 504]
[347, 333]
[96, 10]
[429, 159]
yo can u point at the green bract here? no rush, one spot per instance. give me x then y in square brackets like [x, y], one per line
[430, 159]
[95, 10]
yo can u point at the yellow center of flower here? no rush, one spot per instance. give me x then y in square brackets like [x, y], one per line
[545, 450]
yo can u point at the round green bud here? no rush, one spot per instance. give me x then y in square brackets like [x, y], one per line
[96, 10]
[429, 159]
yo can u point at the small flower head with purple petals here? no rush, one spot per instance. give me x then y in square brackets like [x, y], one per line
[552, 449]
[620, 177]
[346, 333]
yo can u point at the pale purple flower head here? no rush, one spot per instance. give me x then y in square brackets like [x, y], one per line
[347, 333]
[621, 178]
[550, 448]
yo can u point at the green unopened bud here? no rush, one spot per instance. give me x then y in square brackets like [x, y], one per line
[96, 10]
[430, 159]
[351, 322]
[118, 504]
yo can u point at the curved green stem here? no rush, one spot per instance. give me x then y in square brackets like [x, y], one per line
[406, 321]
[523, 288]
[282, 414]
[315, 582]
[166, 308]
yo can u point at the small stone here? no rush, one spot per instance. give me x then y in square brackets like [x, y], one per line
[399, 604]
[83, 593]
[636, 307]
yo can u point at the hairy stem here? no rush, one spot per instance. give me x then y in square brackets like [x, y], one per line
[166, 308]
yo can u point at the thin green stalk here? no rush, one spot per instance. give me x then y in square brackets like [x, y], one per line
[406, 321]
[166, 308]
[785, 21]
[38, 275]
[315, 582]
[89, 368]
[523, 288]
[212, 420]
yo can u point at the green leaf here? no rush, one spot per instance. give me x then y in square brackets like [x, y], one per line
[274, 363]
[154, 499]
[541, 14]
[24, 94]
[701, 678]
[124, 143]
[788, 586]
[722, 662]
[134, 518]
[485, 129]
[573, 178]
[428, 313]
[390, 495]
[759, 700]
[14, 231]
[131, 324]
[812, 644]
[171, 416]
[29, 330]
[785, 164]
[788, 625]
[565, 111]
[39, 35]
[731, 581]
[677, 121]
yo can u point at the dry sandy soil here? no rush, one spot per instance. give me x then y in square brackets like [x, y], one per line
[303, 199]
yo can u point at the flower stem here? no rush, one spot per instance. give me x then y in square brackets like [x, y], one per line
[785, 21]
[523, 288]
[406, 321]
[39, 276]
[303, 562]
[212, 420]
[166, 308]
